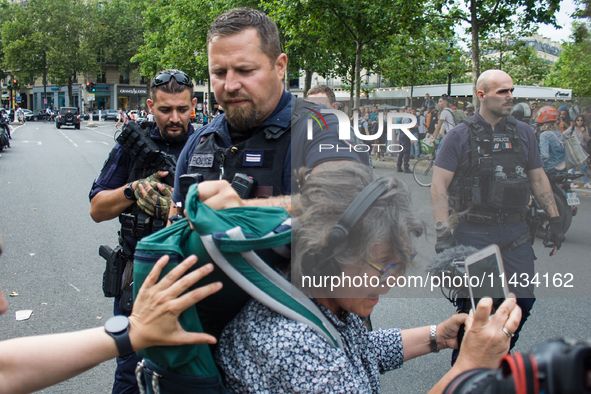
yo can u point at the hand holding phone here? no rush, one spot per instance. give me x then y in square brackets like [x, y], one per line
[486, 276]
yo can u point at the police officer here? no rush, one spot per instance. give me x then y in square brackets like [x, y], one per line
[487, 167]
[253, 137]
[136, 191]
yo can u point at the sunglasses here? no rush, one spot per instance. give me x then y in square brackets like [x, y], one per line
[164, 78]
[391, 269]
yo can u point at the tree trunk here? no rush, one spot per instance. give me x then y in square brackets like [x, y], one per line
[475, 51]
[208, 100]
[45, 87]
[358, 74]
[412, 80]
[307, 81]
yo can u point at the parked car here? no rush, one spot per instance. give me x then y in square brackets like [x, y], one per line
[95, 115]
[35, 115]
[110, 114]
[68, 116]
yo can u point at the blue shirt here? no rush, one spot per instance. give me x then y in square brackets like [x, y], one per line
[454, 154]
[552, 149]
[301, 152]
[261, 351]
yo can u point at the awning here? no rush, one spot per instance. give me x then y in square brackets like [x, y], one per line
[5, 96]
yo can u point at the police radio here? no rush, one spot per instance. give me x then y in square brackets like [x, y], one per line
[244, 185]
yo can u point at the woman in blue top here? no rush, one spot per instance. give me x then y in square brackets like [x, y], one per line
[261, 351]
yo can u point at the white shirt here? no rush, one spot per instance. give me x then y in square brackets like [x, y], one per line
[448, 120]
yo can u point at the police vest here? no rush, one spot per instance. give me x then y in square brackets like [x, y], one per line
[261, 157]
[135, 222]
[495, 180]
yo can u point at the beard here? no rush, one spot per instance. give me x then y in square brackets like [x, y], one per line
[179, 136]
[241, 118]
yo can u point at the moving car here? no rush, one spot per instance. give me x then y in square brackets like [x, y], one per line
[68, 116]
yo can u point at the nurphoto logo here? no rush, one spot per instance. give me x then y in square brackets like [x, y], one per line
[394, 121]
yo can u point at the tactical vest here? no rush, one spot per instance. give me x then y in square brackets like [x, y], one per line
[135, 222]
[495, 181]
[261, 157]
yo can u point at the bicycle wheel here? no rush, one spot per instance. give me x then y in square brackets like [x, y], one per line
[422, 171]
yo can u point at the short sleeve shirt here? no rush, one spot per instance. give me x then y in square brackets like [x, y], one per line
[448, 120]
[455, 151]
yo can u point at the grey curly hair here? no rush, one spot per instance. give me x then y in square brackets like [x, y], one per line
[323, 199]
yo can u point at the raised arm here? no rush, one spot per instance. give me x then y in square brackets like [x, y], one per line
[32, 363]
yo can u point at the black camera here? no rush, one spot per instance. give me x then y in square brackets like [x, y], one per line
[553, 367]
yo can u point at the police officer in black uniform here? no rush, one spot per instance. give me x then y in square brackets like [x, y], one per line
[255, 139]
[487, 167]
[133, 187]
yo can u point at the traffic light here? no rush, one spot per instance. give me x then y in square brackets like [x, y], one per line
[15, 84]
[92, 87]
[88, 87]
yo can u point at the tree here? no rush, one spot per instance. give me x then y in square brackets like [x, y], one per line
[483, 16]
[422, 60]
[120, 32]
[515, 57]
[51, 38]
[572, 69]
[353, 30]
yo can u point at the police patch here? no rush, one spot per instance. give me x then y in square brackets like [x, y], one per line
[253, 158]
[202, 160]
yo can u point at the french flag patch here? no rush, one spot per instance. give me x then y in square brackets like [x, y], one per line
[507, 145]
[253, 158]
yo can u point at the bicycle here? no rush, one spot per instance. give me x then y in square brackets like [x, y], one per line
[422, 171]
[48, 118]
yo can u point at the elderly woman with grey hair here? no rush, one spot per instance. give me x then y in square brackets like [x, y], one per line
[263, 351]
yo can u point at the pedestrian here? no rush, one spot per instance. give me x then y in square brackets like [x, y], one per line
[262, 351]
[446, 119]
[551, 141]
[499, 217]
[582, 133]
[404, 141]
[564, 120]
[136, 192]
[428, 101]
[256, 105]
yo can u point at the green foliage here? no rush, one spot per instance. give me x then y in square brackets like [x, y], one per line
[572, 70]
[521, 62]
[50, 36]
[422, 61]
[120, 32]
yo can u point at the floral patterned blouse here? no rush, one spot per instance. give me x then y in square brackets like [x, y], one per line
[261, 351]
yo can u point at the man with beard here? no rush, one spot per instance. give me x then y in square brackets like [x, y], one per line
[254, 136]
[482, 179]
[137, 193]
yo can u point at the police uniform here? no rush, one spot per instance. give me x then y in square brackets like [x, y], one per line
[267, 154]
[490, 181]
[119, 169]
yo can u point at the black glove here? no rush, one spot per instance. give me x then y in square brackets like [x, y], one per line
[554, 234]
[445, 240]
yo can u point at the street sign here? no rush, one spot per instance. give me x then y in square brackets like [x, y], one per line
[44, 101]
[90, 96]
[18, 99]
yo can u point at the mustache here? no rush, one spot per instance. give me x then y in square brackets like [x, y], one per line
[176, 124]
[232, 97]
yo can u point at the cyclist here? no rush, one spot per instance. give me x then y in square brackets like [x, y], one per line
[48, 114]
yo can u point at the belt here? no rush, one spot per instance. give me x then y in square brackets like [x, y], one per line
[495, 219]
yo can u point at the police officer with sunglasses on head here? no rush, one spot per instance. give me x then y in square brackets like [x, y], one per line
[137, 194]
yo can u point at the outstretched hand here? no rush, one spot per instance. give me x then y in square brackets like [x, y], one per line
[485, 342]
[154, 320]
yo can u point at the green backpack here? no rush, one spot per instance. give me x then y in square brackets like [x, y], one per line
[229, 239]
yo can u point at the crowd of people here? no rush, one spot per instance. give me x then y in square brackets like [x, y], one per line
[436, 119]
